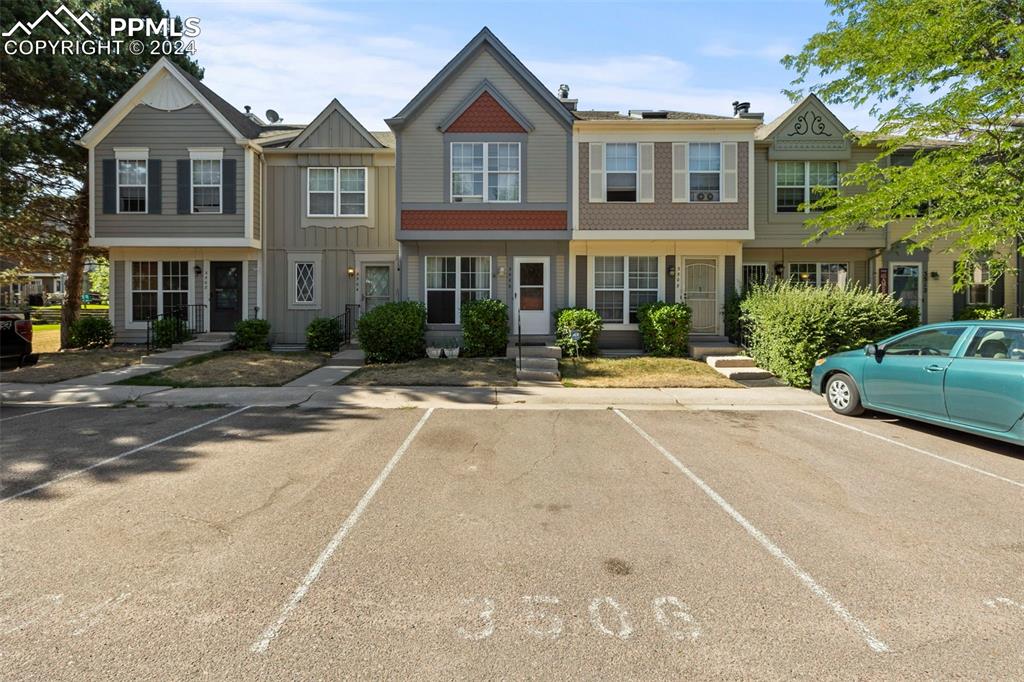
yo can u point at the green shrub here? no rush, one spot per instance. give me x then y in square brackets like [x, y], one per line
[584, 320]
[484, 328]
[323, 335]
[731, 314]
[664, 328]
[91, 332]
[912, 317]
[981, 312]
[791, 326]
[168, 331]
[252, 335]
[393, 332]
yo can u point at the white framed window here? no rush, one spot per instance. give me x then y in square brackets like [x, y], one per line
[978, 291]
[624, 283]
[336, 192]
[321, 191]
[132, 185]
[621, 171]
[453, 280]
[352, 192]
[305, 280]
[207, 186]
[485, 172]
[157, 288]
[754, 273]
[705, 169]
[795, 183]
[819, 274]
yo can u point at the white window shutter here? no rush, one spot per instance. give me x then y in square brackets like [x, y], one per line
[729, 165]
[597, 188]
[680, 172]
[645, 177]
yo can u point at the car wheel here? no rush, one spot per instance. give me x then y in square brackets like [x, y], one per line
[842, 395]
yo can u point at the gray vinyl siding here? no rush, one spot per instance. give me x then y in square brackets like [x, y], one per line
[423, 155]
[251, 282]
[619, 339]
[257, 196]
[118, 282]
[168, 136]
[335, 131]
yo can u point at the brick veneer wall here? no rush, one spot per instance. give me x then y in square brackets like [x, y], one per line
[485, 115]
[484, 220]
[663, 214]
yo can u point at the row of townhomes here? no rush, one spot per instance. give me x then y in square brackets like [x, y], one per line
[487, 185]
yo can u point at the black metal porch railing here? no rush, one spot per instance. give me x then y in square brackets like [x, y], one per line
[178, 324]
[346, 322]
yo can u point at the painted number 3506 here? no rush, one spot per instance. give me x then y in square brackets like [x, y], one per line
[541, 619]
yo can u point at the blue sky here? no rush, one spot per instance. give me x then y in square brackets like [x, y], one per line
[374, 56]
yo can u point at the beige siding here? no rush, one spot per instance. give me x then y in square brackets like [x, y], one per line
[335, 131]
[422, 145]
[859, 259]
[168, 136]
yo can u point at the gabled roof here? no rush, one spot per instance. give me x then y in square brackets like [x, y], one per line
[231, 119]
[488, 87]
[482, 39]
[768, 129]
[336, 107]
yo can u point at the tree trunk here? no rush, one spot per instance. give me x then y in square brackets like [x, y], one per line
[76, 266]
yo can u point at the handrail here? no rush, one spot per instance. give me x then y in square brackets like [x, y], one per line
[193, 317]
[519, 335]
[345, 322]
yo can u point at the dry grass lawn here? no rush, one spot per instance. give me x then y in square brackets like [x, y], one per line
[234, 368]
[428, 372]
[642, 372]
[47, 339]
[70, 364]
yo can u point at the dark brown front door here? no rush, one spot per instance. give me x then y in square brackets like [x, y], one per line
[225, 295]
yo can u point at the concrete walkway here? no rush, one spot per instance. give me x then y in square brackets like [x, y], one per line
[341, 364]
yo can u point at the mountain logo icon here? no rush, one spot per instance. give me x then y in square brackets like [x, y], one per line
[70, 19]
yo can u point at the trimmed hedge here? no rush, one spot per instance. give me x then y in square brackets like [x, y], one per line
[791, 326]
[981, 312]
[323, 335]
[393, 332]
[91, 332]
[484, 328]
[664, 328]
[168, 331]
[252, 335]
[584, 320]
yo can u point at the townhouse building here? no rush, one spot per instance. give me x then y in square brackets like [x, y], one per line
[488, 185]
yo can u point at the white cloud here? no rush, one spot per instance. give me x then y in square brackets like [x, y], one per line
[773, 51]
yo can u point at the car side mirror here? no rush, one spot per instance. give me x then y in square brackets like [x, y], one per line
[873, 350]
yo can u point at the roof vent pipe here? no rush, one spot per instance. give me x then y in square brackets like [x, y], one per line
[563, 91]
[740, 108]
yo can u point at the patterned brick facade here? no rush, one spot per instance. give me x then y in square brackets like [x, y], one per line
[663, 214]
[485, 115]
[484, 220]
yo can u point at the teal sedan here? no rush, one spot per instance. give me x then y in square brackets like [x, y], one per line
[966, 375]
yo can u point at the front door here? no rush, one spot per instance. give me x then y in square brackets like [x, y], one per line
[700, 292]
[376, 285]
[225, 295]
[531, 293]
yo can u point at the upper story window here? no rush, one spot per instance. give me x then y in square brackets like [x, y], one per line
[620, 167]
[705, 171]
[485, 172]
[207, 188]
[795, 182]
[336, 192]
[132, 185]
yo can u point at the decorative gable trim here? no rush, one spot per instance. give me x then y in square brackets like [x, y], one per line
[335, 107]
[807, 130]
[486, 110]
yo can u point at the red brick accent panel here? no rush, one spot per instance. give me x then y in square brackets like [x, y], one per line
[484, 220]
[485, 115]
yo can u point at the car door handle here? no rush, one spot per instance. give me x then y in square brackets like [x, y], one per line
[935, 368]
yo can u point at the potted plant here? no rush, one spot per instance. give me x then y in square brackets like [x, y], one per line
[451, 348]
[433, 352]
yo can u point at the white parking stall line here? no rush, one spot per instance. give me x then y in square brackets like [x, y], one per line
[272, 630]
[124, 454]
[915, 449]
[29, 414]
[873, 642]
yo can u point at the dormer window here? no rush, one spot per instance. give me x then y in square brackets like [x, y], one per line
[485, 172]
[795, 182]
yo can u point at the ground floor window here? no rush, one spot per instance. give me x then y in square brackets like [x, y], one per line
[157, 287]
[819, 274]
[622, 284]
[754, 273]
[979, 292]
[453, 280]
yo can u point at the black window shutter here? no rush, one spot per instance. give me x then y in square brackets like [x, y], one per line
[999, 292]
[109, 186]
[959, 302]
[184, 187]
[228, 178]
[155, 198]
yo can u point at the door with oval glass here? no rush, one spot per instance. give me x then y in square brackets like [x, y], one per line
[700, 292]
[531, 291]
[377, 287]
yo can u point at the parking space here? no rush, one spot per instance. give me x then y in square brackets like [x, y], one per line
[288, 543]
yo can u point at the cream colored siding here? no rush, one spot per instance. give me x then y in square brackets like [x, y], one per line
[257, 197]
[859, 259]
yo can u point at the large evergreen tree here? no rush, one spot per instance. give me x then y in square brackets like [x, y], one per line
[47, 102]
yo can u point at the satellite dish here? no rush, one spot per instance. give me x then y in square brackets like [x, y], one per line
[273, 116]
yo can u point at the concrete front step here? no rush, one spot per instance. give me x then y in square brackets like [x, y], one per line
[717, 361]
[349, 357]
[744, 373]
[208, 346]
[172, 357]
[538, 364]
[699, 350]
[534, 375]
[547, 351]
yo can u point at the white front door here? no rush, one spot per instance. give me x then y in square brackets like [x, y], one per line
[700, 292]
[531, 294]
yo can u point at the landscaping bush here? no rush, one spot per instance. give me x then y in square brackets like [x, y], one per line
[912, 317]
[664, 328]
[91, 332]
[981, 312]
[252, 335]
[584, 320]
[791, 326]
[484, 328]
[393, 332]
[323, 335]
[731, 314]
[168, 331]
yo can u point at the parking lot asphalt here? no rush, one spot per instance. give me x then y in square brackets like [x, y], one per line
[267, 543]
